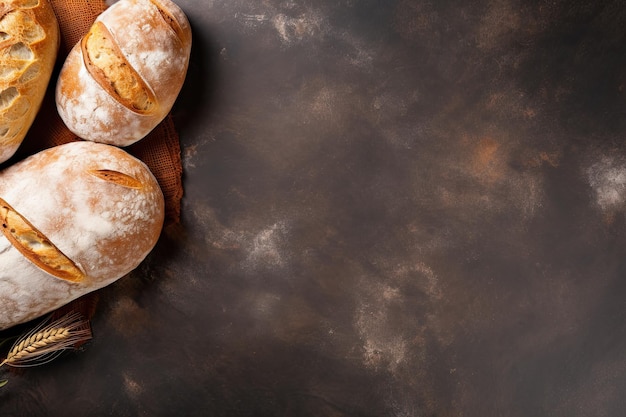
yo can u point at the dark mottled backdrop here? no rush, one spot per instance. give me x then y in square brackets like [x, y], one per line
[392, 208]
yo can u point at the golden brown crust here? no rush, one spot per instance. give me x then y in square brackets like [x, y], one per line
[116, 177]
[92, 213]
[29, 41]
[122, 79]
[107, 65]
[171, 21]
[36, 247]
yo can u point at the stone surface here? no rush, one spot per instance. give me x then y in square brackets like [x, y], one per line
[392, 208]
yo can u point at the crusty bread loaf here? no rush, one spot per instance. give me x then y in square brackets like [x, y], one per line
[123, 77]
[74, 218]
[29, 42]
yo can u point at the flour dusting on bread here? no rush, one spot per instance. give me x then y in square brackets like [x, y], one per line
[120, 81]
[95, 204]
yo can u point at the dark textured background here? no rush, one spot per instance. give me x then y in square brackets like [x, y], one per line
[392, 208]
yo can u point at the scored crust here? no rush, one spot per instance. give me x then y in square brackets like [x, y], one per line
[107, 65]
[35, 246]
[116, 177]
[29, 41]
[75, 217]
[120, 81]
[95, 202]
[173, 18]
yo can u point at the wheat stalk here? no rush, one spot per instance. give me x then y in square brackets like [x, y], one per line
[48, 340]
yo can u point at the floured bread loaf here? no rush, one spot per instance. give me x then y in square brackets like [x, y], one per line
[74, 218]
[29, 42]
[123, 77]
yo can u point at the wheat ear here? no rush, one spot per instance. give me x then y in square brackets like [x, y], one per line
[48, 340]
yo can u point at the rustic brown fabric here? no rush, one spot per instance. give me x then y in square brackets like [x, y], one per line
[160, 150]
[75, 18]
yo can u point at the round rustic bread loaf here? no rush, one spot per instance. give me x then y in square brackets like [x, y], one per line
[123, 77]
[29, 43]
[74, 218]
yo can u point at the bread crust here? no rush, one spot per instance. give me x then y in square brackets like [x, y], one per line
[93, 205]
[148, 39]
[29, 43]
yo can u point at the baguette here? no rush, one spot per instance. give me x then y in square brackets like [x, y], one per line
[29, 43]
[75, 218]
[123, 77]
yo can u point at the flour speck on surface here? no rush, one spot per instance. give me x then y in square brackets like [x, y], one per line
[292, 29]
[607, 178]
[265, 247]
[131, 386]
[383, 348]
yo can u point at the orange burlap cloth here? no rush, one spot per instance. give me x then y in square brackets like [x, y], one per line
[160, 150]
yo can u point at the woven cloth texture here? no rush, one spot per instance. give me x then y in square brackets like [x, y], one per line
[160, 150]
